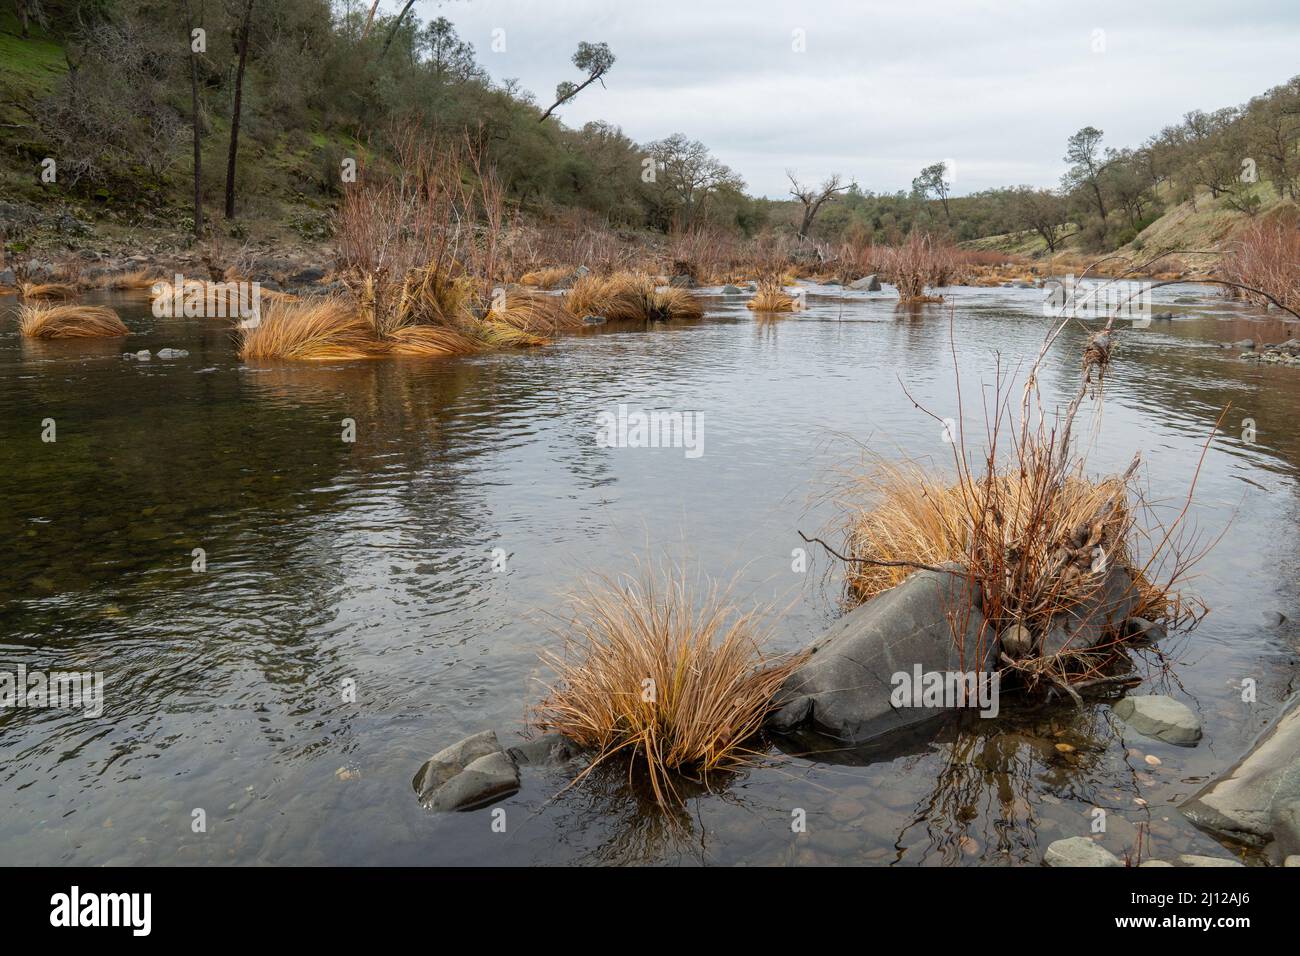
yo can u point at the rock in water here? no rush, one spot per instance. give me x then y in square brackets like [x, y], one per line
[547, 750]
[467, 774]
[1161, 717]
[844, 689]
[1079, 851]
[869, 283]
[483, 781]
[1093, 619]
[1250, 803]
[1192, 859]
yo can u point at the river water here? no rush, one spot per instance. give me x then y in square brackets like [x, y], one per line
[377, 564]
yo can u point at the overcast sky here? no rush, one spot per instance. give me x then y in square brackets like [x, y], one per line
[881, 89]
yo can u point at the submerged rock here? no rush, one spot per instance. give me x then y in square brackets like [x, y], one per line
[1079, 851]
[1161, 717]
[1255, 802]
[172, 353]
[1193, 859]
[847, 686]
[730, 289]
[468, 774]
[593, 320]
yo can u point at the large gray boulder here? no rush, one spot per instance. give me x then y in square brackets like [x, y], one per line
[844, 689]
[1258, 800]
[468, 774]
[1079, 851]
[1161, 717]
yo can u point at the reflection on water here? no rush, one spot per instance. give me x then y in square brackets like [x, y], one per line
[372, 561]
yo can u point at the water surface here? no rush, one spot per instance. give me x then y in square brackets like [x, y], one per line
[373, 562]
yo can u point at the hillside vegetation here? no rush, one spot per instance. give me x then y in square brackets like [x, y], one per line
[247, 119]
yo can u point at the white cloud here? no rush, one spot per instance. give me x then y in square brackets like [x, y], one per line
[885, 88]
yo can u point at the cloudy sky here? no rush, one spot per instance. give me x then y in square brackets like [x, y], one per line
[876, 90]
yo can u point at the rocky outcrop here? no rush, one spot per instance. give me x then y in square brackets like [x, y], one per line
[858, 681]
[1160, 717]
[1258, 800]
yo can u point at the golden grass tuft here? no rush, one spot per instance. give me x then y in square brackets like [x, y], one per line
[534, 313]
[314, 329]
[123, 281]
[772, 297]
[46, 290]
[904, 514]
[664, 672]
[69, 322]
[631, 297]
[431, 341]
[551, 277]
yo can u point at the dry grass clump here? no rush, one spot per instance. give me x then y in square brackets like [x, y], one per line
[551, 277]
[46, 290]
[533, 313]
[632, 297]
[772, 297]
[915, 518]
[69, 322]
[663, 672]
[313, 329]
[920, 262]
[123, 281]
[430, 341]
[1266, 256]
[1040, 539]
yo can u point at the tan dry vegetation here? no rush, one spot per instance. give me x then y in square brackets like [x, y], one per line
[39, 321]
[317, 329]
[667, 673]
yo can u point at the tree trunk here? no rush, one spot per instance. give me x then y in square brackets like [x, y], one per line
[234, 118]
[194, 120]
[22, 17]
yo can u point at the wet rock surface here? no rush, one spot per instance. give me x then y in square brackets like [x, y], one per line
[1079, 851]
[844, 689]
[468, 774]
[1257, 801]
[1160, 717]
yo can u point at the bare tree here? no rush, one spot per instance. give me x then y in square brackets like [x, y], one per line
[194, 119]
[814, 197]
[596, 59]
[234, 117]
[689, 173]
[1044, 212]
